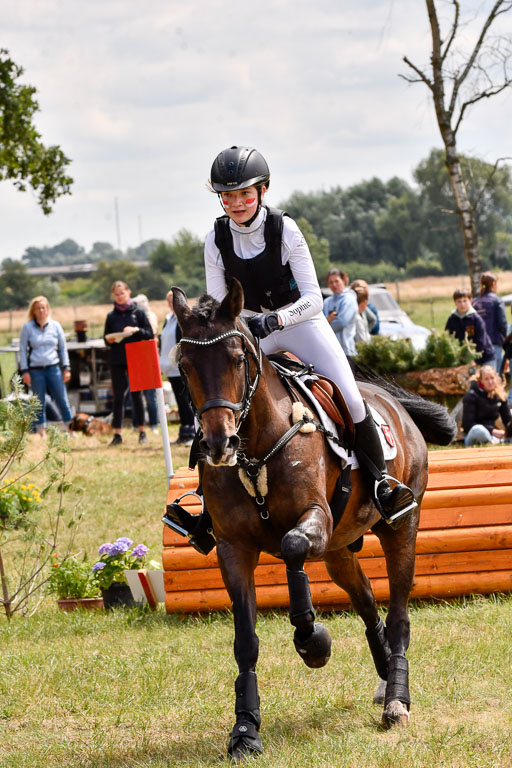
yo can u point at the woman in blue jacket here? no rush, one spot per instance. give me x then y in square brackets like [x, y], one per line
[491, 309]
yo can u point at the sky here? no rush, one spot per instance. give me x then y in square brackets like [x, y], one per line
[143, 95]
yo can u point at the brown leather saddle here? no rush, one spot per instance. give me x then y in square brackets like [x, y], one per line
[334, 404]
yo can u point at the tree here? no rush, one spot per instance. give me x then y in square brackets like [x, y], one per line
[319, 249]
[24, 159]
[16, 285]
[108, 272]
[470, 76]
[183, 261]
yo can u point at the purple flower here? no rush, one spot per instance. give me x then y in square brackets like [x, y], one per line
[98, 566]
[124, 540]
[105, 549]
[140, 550]
[119, 547]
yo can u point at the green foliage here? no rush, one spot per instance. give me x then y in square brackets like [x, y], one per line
[24, 159]
[181, 262]
[26, 546]
[443, 350]
[108, 272]
[383, 272]
[71, 578]
[16, 285]
[385, 355]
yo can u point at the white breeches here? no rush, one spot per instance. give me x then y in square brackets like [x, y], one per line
[313, 341]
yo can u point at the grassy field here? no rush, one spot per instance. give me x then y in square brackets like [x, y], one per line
[130, 689]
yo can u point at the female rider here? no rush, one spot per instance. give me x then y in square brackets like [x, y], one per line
[267, 252]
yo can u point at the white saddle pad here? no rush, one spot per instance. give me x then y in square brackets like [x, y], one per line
[384, 430]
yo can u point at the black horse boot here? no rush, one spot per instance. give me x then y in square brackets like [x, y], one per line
[394, 504]
[198, 528]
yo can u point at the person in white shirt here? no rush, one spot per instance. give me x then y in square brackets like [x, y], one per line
[266, 251]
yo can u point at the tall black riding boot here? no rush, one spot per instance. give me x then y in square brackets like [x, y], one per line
[394, 504]
[198, 528]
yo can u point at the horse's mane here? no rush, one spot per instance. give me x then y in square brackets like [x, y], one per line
[205, 308]
[433, 420]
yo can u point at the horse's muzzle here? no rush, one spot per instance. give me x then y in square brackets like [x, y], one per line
[220, 451]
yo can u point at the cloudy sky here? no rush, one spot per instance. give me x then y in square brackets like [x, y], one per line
[143, 95]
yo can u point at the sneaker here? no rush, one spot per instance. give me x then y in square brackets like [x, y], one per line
[142, 438]
[116, 440]
[155, 430]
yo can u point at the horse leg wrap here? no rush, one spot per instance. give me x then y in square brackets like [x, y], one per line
[244, 738]
[302, 613]
[311, 639]
[397, 688]
[379, 648]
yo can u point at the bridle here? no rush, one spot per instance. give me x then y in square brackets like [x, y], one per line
[240, 409]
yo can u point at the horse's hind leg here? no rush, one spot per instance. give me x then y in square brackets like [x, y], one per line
[400, 550]
[344, 569]
[311, 639]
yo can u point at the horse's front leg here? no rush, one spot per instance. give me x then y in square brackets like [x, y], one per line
[308, 539]
[237, 567]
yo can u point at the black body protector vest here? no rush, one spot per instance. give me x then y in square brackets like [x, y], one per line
[265, 280]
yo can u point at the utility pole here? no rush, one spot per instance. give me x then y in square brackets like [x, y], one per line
[118, 229]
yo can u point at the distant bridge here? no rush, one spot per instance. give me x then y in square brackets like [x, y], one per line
[72, 270]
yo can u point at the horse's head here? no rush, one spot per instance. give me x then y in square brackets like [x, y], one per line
[221, 366]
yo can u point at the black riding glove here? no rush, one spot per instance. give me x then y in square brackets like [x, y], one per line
[264, 324]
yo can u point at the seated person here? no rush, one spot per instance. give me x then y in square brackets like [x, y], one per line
[482, 404]
[465, 321]
[340, 310]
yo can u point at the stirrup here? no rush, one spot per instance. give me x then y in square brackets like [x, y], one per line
[396, 518]
[189, 525]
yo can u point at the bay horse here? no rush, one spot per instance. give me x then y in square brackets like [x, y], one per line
[244, 411]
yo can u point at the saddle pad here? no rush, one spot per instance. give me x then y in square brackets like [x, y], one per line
[386, 436]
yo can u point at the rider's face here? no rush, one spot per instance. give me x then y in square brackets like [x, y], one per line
[241, 204]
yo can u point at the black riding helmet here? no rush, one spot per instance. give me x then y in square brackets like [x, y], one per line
[238, 168]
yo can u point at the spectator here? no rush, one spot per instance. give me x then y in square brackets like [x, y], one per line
[171, 334]
[124, 324]
[43, 352]
[141, 301]
[365, 316]
[373, 322]
[507, 355]
[340, 310]
[483, 403]
[465, 322]
[492, 310]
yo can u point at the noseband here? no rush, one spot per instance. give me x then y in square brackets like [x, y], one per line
[242, 407]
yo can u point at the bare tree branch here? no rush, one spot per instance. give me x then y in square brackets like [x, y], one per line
[488, 181]
[421, 75]
[455, 27]
[484, 95]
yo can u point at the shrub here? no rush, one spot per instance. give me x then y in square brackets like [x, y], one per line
[385, 355]
[71, 578]
[443, 350]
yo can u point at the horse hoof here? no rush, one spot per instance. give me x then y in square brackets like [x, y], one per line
[315, 650]
[244, 742]
[395, 715]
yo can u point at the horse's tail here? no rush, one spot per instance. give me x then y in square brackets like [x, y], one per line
[433, 420]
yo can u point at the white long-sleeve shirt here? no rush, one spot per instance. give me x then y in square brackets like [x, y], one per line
[248, 242]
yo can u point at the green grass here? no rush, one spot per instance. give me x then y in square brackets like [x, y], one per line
[134, 689]
[429, 313]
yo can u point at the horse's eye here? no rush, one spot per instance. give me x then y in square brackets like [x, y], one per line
[240, 361]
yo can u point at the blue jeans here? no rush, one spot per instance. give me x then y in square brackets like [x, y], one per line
[498, 354]
[479, 434]
[43, 380]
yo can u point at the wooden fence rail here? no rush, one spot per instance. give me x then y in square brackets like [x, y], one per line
[464, 543]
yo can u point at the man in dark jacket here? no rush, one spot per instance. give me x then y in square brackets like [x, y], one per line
[465, 321]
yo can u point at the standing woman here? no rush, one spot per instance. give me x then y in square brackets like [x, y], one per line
[43, 352]
[127, 319]
[266, 251]
[492, 311]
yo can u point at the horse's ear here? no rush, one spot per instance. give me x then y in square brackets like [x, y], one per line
[233, 301]
[180, 305]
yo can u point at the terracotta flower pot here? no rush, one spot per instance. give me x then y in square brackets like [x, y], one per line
[87, 603]
[117, 595]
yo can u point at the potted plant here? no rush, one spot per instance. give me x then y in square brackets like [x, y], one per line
[109, 570]
[72, 582]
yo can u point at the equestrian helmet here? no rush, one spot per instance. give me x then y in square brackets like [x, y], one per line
[238, 168]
